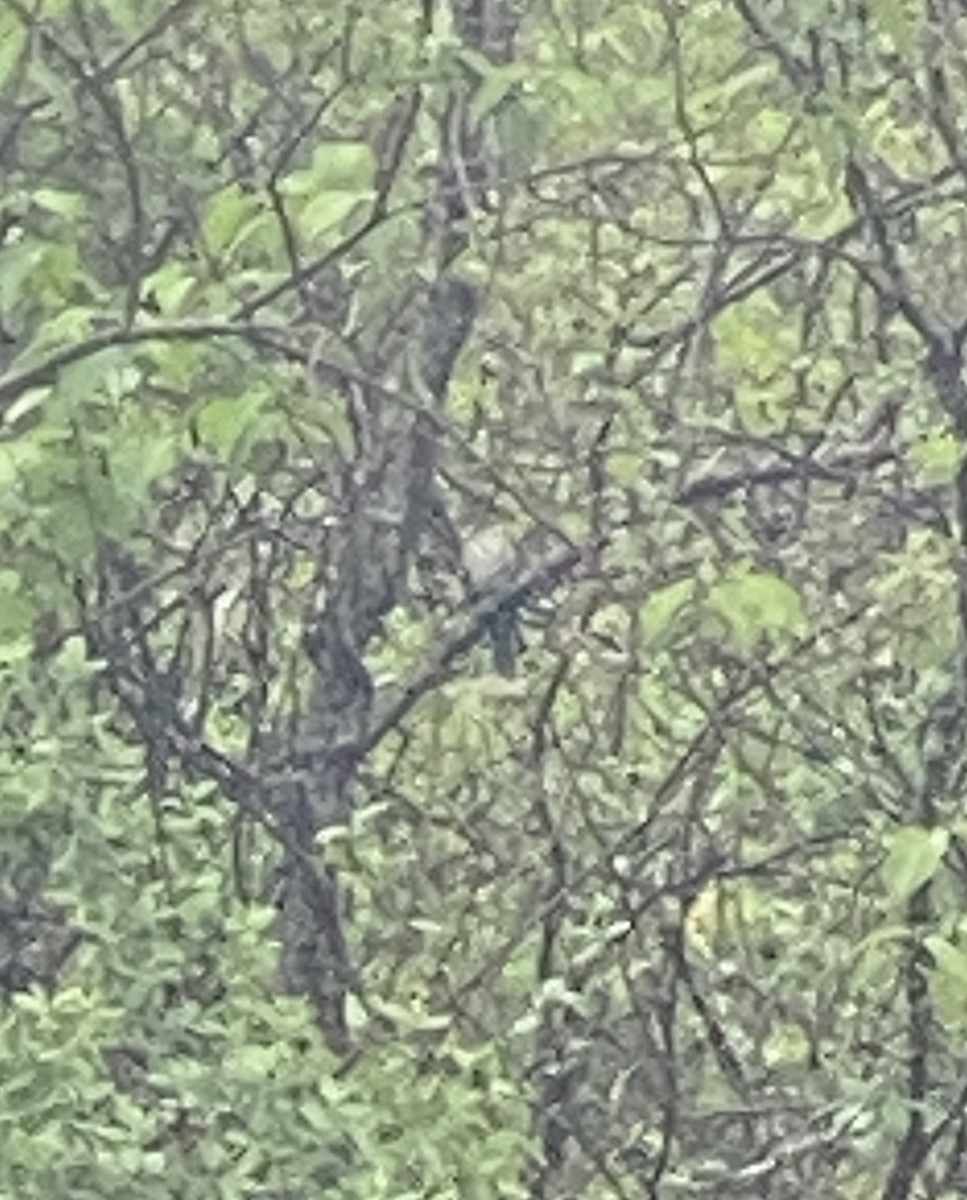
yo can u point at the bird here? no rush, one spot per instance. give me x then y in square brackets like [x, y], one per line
[491, 561]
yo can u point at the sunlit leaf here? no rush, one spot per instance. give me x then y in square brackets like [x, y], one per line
[664, 604]
[65, 204]
[898, 21]
[13, 41]
[223, 422]
[329, 210]
[950, 959]
[754, 603]
[336, 167]
[226, 213]
[913, 855]
[937, 457]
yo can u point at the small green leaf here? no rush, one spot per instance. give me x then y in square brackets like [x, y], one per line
[317, 1115]
[329, 210]
[24, 405]
[914, 853]
[762, 407]
[13, 41]
[495, 82]
[584, 361]
[937, 458]
[624, 466]
[18, 263]
[227, 211]
[223, 422]
[754, 603]
[335, 167]
[345, 166]
[79, 381]
[895, 20]
[786, 1044]
[64, 204]
[720, 93]
[67, 326]
[252, 1061]
[748, 339]
[663, 605]
[170, 286]
[949, 959]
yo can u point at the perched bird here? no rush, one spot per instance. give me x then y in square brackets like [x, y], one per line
[490, 561]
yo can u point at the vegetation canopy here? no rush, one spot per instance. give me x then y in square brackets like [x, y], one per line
[483, 624]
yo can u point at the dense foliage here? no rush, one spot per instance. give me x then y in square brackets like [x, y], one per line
[300, 896]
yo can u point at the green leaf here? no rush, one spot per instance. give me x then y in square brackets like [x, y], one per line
[17, 613]
[583, 95]
[63, 203]
[345, 166]
[226, 213]
[585, 361]
[897, 22]
[721, 92]
[762, 408]
[951, 960]
[522, 130]
[875, 954]
[67, 326]
[336, 167]
[252, 1061]
[768, 128]
[625, 467]
[138, 457]
[749, 340]
[937, 458]
[754, 603]
[317, 1115]
[13, 42]
[663, 605]
[913, 855]
[223, 422]
[338, 181]
[495, 82]
[18, 263]
[328, 210]
[170, 286]
[79, 381]
[25, 405]
[786, 1044]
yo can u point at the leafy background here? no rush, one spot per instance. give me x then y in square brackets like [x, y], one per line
[300, 898]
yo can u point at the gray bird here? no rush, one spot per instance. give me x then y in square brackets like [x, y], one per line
[490, 560]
